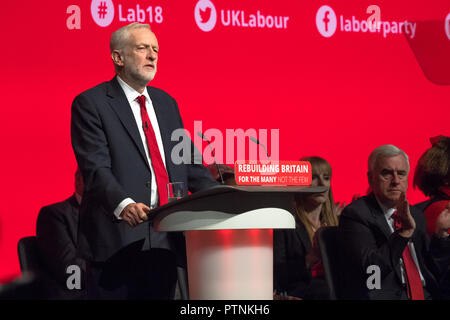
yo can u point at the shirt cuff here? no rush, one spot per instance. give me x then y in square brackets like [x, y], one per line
[122, 206]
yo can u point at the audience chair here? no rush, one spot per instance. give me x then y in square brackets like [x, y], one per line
[27, 251]
[26, 286]
[329, 251]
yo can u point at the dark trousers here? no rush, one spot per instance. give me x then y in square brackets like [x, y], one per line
[133, 274]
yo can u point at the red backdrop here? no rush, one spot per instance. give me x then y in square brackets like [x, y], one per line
[338, 97]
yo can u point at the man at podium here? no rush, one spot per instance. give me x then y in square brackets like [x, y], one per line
[121, 135]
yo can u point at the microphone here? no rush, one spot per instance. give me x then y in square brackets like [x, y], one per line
[265, 149]
[146, 126]
[201, 135]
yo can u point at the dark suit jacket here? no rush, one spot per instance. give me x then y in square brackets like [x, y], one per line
[111, 157]
[290, 247]
[56, 236]
[364, 239]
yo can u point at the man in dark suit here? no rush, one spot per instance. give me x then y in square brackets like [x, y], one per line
[56, 237]
[384, 256]
[122, 139]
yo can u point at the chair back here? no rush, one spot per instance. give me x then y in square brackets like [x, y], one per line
[27, 251]
[327, 238]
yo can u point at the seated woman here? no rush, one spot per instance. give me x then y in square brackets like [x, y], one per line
[432, 177]
[294, 258]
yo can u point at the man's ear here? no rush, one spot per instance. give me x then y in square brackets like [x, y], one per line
[117, 58]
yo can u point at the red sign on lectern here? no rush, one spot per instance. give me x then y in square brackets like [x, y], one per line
[289, 173]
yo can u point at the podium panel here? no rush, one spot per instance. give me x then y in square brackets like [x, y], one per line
[230, 264]
[229, 237]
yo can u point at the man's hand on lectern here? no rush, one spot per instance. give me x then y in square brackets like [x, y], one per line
[135, 213]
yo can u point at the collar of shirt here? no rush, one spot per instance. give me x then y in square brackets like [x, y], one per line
[132, 94]
[387, 214]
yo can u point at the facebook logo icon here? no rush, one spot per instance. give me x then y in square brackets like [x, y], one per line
[326, 21]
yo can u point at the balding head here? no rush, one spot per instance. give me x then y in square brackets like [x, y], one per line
[120, 37]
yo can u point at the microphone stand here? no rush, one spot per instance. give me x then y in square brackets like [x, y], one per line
[259, 143]
[201, 135]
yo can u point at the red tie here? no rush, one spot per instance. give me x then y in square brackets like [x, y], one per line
[158, 165]
[413, 281]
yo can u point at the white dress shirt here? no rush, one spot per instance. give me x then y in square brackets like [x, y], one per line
[131, 95]
[387, 214]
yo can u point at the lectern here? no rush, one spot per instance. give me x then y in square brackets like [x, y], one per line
[229, 242]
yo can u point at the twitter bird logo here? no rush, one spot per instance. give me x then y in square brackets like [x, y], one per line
[205, 15]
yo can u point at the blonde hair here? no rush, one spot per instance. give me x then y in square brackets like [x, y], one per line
[327, 216]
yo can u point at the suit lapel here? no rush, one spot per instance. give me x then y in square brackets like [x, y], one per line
[382, 224]
[122, 108]
[378, 216]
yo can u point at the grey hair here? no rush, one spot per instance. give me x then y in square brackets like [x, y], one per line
[120, 36]
[387, 150]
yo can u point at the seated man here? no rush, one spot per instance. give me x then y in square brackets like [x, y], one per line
[385, 250]
[56, 234]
